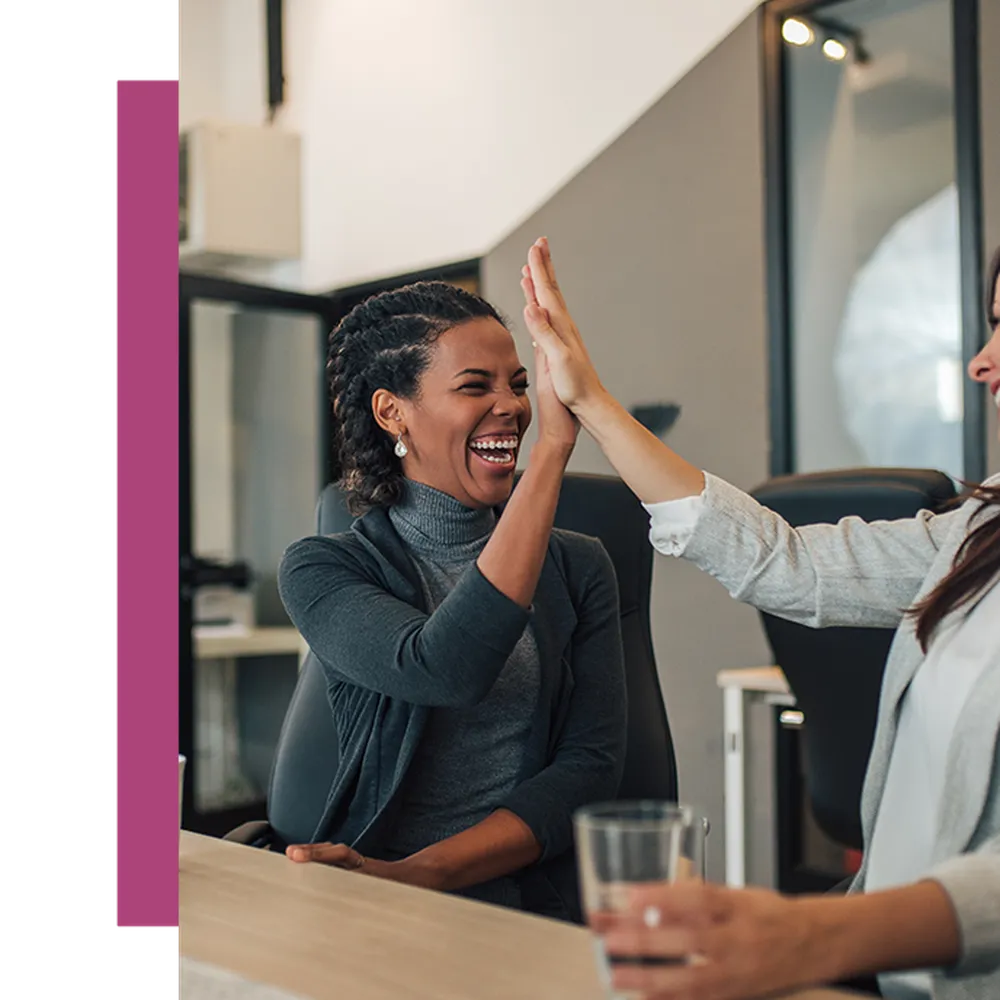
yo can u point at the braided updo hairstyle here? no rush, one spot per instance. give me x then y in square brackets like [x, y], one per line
[385, 343]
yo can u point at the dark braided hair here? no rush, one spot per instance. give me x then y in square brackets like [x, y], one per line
[385, 343]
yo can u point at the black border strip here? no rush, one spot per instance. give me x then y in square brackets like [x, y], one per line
[968, 176]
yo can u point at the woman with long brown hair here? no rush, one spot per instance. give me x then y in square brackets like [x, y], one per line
[924, 911]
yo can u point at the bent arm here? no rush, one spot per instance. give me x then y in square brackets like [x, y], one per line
[512, 559]
[362, 634]
[453, 656]
[589, 755]
[498, 845]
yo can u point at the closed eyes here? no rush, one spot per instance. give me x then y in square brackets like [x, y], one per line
[484, 387]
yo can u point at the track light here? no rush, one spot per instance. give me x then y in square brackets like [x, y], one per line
[797, 32]
[834, 50]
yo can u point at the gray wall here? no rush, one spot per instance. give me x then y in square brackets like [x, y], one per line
[989, 63]
[659, 248]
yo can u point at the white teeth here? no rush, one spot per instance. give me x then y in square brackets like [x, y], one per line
[504, 444]
[499, 451]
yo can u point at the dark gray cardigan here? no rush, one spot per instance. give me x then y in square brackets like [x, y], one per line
[357, 601]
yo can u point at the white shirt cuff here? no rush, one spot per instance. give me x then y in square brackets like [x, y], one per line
[672, 523]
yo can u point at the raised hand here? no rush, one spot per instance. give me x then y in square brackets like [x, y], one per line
[552, 329]
[555, 421]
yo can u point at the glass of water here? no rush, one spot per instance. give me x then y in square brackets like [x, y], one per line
[620, 845]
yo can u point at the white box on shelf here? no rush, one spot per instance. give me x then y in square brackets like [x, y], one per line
[239, 194]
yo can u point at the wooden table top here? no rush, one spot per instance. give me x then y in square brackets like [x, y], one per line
[321, 932]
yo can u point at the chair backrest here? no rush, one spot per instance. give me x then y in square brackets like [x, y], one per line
[836, 673]
[604, 507]
[306, 756]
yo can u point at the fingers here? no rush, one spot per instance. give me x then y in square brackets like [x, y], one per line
[653, 924]
[339, 855]
[546, 292]
[299, 852]
[544, 253]
[664, 982]
[530, 299]
[659, 942]
[682, 902]
[541, 364]
[536, 319]
[528, 287]
[648, 957]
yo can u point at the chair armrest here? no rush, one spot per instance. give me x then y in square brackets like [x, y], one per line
[256, 833]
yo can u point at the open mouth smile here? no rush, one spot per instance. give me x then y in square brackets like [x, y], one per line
[499, 452]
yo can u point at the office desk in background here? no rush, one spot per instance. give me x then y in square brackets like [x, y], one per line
[768, 684]
[320, 932]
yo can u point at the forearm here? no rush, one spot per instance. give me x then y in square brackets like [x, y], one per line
[849, 573]
[497, 846]
[651, 470]
[911, 927]
[513, 557]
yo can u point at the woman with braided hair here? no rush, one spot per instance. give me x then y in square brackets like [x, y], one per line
[472, 652]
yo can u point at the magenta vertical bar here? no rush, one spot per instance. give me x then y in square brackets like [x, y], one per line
[147, 503]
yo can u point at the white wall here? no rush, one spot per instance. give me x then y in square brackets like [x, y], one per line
[222, 64]
[202, 84]
[432, 129]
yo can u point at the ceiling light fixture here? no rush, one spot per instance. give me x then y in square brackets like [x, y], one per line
[797, 32]
[834, 50]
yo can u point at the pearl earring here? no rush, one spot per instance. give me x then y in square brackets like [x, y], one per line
[401, 450]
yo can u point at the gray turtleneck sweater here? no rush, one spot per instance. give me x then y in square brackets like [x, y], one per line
[469, 758]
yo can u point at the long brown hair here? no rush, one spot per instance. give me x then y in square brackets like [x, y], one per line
[977, 561]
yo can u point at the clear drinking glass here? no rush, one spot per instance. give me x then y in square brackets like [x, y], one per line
[620, 845]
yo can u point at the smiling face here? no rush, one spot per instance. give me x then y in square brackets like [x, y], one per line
[985, 366]
[463, 427]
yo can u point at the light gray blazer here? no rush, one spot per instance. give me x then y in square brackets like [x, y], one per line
[858, 573]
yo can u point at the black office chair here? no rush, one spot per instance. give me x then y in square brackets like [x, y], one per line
[306, 756]
[603, 506]
[308, 751]
[836, 673]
